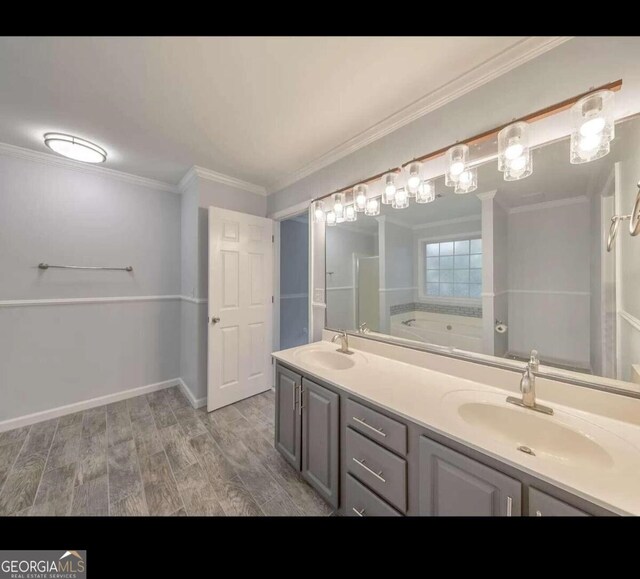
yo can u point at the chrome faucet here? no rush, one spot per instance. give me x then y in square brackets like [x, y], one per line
[528, 387]
[344, 345]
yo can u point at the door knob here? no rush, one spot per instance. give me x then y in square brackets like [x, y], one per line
[215, 320]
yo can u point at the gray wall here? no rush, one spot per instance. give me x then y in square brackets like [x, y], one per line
[57, 354]
[500, 277]
[294, 283]
[199, 195]
[567, 70]
[549, 282]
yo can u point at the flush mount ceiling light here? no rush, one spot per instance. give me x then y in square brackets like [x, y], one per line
[457, 158]
[75, 148]
[593, 127]
[467, 181]
[514, 154]
[360, 196]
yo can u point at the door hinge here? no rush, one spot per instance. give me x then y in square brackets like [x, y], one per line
[271, 299]
[273, 239]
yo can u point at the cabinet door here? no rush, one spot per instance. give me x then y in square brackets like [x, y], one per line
[544, 505]
[320, 431]
[287, 428]
[452, 484]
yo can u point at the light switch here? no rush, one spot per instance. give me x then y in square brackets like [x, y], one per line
[318, 296]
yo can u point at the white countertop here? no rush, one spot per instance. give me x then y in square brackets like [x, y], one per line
[419, 395]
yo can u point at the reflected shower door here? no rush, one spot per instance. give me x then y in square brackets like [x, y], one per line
[367, 292]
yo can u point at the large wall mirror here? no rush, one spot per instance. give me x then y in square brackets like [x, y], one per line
[507, 268]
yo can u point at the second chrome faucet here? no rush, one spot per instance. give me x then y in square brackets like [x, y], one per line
[528, 387]
[344, 344]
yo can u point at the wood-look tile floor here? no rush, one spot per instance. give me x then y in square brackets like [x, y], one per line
[153, 455]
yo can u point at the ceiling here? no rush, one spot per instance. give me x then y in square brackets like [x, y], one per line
[257, 109]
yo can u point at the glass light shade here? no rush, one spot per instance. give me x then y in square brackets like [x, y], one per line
[519, 168]
[513, 143]
[338, 206]
[400, 199]
[457, 159]
[350, 213]
[318, 212]
[413, 179]
[331, 218]
[360, 197]
[75, 148]
[373, 207]
[467, 181]
[593, 127]
[389, 188]
[426, 192]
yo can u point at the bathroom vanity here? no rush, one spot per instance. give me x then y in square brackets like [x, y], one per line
[390, 431]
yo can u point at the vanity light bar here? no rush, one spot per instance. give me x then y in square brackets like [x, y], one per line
[487, 135]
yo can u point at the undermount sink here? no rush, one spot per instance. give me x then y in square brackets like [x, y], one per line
[562, 438]
[327, 360]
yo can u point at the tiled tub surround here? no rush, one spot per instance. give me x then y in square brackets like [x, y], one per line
[153, 455]
[452, 310]
[413, 385]
[443, 329]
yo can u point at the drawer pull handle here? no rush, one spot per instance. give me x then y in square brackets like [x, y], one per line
[295, 395]
[509, 506]
[364, 423]
[301, 406]
[378, 475]
[357, 512]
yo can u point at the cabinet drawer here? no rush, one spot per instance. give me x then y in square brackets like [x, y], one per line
[380, 469]
[361, 502]
[544, 505]
[378, 427]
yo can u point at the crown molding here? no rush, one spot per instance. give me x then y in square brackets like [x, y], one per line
[549, 204]
[56, 161]
[210, 175]
[496, 66]
[452, 221]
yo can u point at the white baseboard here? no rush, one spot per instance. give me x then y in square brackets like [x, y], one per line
[91, 403]
[195, 402]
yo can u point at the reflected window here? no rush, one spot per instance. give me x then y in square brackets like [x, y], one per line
[453, 269]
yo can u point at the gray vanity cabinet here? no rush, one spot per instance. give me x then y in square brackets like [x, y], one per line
[544, 505]
[307, 430]
[452, 484]
[320, 432]
[288, 426]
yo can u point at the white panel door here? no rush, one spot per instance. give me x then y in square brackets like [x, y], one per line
[240, 306]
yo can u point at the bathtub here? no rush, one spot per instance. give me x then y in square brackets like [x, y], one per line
[460, 332]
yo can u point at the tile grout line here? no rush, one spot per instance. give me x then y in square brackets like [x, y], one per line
[16, 459]
[106, 438]
[45, 463]
[135, 449]
[173, 474]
